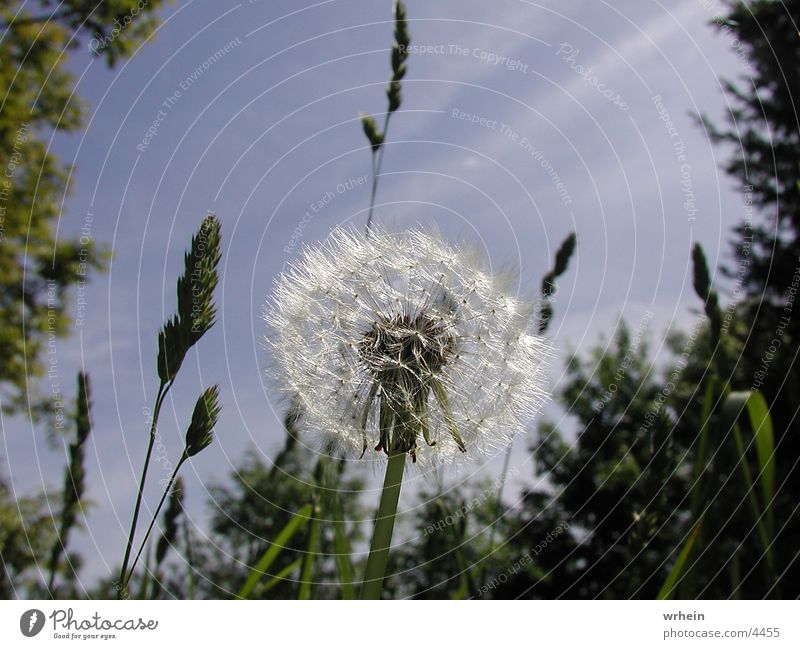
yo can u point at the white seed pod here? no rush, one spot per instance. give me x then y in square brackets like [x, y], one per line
[398, 339]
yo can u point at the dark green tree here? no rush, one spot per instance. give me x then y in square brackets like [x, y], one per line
[630, 486]
[762, 136]
[610, 514]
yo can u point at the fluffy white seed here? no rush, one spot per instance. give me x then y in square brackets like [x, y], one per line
[398, 309]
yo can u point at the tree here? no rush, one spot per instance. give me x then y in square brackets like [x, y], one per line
[37, 267]
[606, 523]
[33, 541]
[26, 536]
[763, 132]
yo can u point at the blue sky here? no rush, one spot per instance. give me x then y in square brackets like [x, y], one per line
[574, 93]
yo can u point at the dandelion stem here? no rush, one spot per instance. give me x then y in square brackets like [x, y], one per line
[155, 516]
[384, 526]
[163, 388]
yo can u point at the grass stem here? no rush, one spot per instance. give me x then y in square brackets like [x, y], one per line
[155, 517]
[377, 163]
[163, 388]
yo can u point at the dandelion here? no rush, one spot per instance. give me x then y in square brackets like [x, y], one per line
[387, 338]
[407, 343]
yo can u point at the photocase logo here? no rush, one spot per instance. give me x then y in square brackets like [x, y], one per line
[31, 622]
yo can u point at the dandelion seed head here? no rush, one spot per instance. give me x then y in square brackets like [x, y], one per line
[402, 340]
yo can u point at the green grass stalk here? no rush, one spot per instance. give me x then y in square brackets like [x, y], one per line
[164, 496]
[163, 388]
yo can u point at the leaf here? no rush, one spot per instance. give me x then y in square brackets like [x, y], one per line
[731, 411]
[761, 423]
[267, 559]
[674, 576]
[341, 546]
[281, 576]
[306, 576]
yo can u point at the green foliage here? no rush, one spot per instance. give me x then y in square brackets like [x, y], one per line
[762, 127]
[617, 486]
[670, 584]
[449, 543]
[762, 142]
[661, 483]
[733, 406]
[112, 29]
[27, 535]
[37, 268]
[264, 521]
[342, 549]
[261, 568]
[306, 585]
